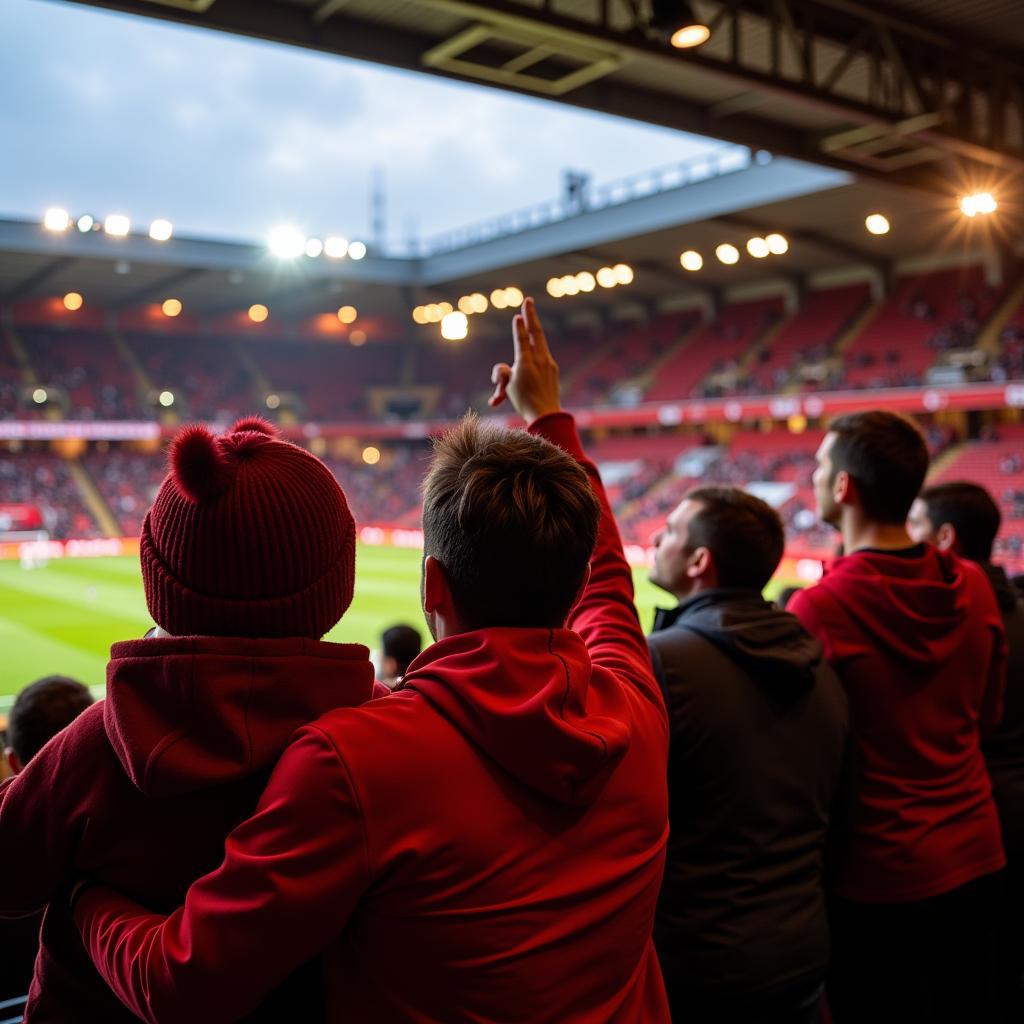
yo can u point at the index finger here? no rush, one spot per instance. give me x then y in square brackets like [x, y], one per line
[540, 341]
[520, 338]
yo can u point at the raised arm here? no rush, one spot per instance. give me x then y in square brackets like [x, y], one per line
[290, 879]
[605, 615]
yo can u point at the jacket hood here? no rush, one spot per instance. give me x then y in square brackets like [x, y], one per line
[526, 698]
[769, 644]
[913, 604]
[187, 713]
[1007, 595]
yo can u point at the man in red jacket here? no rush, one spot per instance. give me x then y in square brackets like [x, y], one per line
[247, 559]
[487, 843]
[916, 638]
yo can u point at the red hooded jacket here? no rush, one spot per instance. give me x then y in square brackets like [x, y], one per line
[486, 844]
[142, 789]
[918, 642]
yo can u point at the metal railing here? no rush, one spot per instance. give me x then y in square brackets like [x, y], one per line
[12, 1004]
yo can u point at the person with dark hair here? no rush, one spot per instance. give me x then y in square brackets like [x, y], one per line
[917, 640]
[962, 517]
[756, 748]
[248, 557]
[40, 711]
[399, 647]
[487, 843]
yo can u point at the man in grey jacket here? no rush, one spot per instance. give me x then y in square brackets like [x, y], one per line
[757, 747]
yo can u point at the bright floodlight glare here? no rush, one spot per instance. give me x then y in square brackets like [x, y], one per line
[445, 307]
[161, 230]
[357, 338]
[336, 247]
[554, 287]
[39, 396]
[778, 245]
[479, 302]
[348, 314]
[85, 223]
[677, 21]
[691, 260]
[978, 202]
[455, 327]
[167, 399]
[432, 313]
[877, 223]
[56, 219]
[117, 224]
[498, 299]
[465, 304]
[623, 273]
[314, 247]
[570, 286]
[286, 242]
[727, 254]
[258, 313]
[585, 281]
[273, 401]
[690, 36]
[513, 296]
[606, 277]
[758, 248]
[357, 250]
[171, 307]
[371, 455]
[419, 315]
[73, 301]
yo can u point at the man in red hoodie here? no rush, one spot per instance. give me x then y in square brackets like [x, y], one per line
[486, 844]
[248, 556]
[917, 640]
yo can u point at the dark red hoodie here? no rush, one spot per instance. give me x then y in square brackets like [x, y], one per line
[484, 845]
[918, 642]
[142, 788]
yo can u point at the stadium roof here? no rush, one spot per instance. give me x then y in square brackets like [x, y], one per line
[928, 93]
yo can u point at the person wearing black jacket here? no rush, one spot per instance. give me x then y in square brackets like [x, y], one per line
[963, 517]
[758, 731]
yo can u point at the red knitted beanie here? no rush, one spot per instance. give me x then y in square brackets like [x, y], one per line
[249, 536]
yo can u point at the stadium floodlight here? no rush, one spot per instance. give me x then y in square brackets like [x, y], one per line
[356, 250]
[117, 225]
[514, 297]
[585, 281]
[85, 223]
[357, 338]
[623, 273]
[691, 260]
[167, 399]
[258, 312]
[273, 401]
[606, 277]
[676, 21]
[498, 300]
[432, 313]
[727, 254]
[371, 455]
[758, 248]
[554, 287]
[39, 396]
[348, 314]
[978, 202]
[286, 242]
[161, 230]
[465, 304]
[314, 247]
[336, 247]
[877, 223]
[569, 285]
[56, 219]
[455, 326]
[479, 302]
[73, 301]
[446, 308]
[171, 307]
[419, 315]
[778, 245]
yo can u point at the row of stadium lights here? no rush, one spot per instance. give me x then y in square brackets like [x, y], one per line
[727, 253]
[455, 321]
[585, 281]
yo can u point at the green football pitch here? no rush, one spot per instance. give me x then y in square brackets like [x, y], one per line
[62, 618]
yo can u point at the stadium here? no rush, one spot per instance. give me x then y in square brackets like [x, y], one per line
[859, 246]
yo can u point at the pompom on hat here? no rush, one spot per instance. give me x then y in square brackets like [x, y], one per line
[249, 535]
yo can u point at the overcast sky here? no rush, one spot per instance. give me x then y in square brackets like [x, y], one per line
[226, 137]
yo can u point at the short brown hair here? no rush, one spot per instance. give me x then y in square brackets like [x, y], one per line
[744, 535]
[972, 512]
[513, 521]
[41, 710]
[886, 457]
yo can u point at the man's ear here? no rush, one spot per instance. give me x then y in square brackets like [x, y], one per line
[13, 761]
[436, 594]
[842, 488]
[700, 563]
[945, 537]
